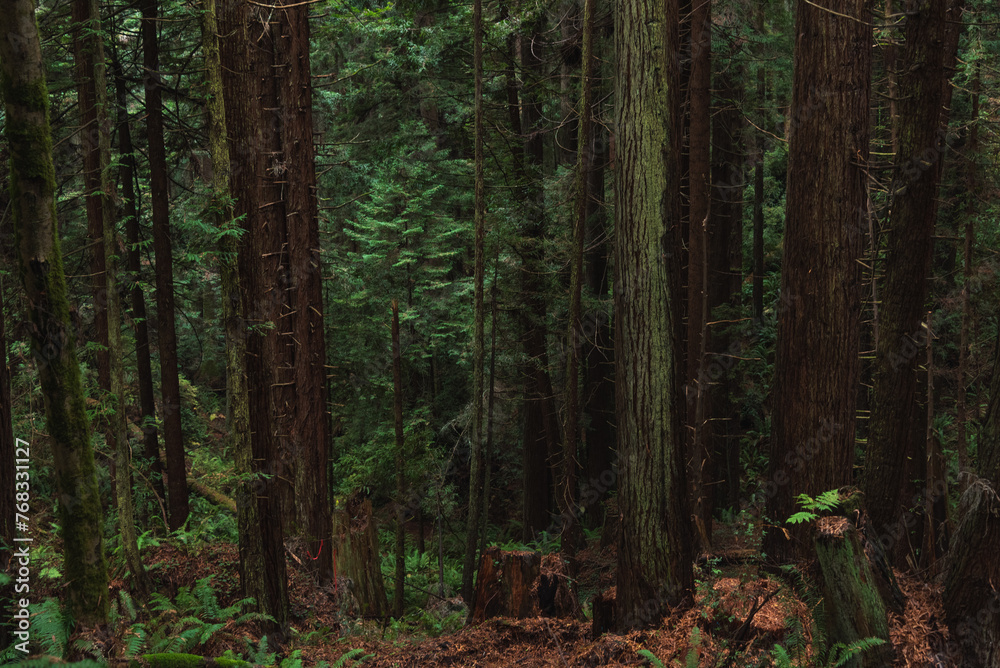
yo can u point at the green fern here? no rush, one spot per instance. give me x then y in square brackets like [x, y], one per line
[649, 656]
[841, 654]
[260, 655]
[50, 627]
[351, 655]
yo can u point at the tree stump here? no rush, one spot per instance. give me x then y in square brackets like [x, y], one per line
[972, 587]
[520, 583]
[355, 543]
[852, 607]
[604, 613]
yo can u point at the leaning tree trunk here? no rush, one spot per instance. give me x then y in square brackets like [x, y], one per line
[909, 243]
[40, 262]
[654, 549]
[173, 436]
[817, 367]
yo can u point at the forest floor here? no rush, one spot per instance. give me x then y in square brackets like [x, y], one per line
[718, 631]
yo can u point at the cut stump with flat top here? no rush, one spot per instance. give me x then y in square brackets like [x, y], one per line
[519, 584]
[852, 608]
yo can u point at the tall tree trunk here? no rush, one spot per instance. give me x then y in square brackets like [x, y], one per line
[85, 60]
[476, 465]
[758, 193]
[654, 551]
[907, 265]
[725, 253]
[541, 435]
[262, 560]
[98, 155]
[173, 436]
[397, 392]
[817, 366]
[961, 417]
[310, 427]
[143, 361]
[25, 96]
[570, 529]
[698, 432]
[599, 382]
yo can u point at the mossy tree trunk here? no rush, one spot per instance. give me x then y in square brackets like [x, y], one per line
[98, 156]
[817, 366]
[355, 539]
[654, 549]
[53, 343]
[852, 609]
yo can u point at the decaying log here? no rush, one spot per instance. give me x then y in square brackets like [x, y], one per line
[519, 583]
[852, 607]
[356, 552]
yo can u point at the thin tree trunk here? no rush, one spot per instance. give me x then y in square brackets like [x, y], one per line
[961, 418]
[817, 366]
[570, 529]
[654, 552]
[397, 393]
[698, 434]
[88, 17]
[476, 472]
[25, 96]
[144, 367]
[725, 255]
[173, 437]
[758, 194]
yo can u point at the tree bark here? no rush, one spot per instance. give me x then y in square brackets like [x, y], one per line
[725, 253]
[907, 265]
[262, 559]
[476, 463]
[571, 534]
[88, 18]
[698, 432]
[173, 437]
[852, 607]
[310, 426]
[357, 555]
[654, 552]
[397, 387]
[817, 366]
[40, 263]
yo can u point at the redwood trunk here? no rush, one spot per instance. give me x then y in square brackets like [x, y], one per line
[817, 365]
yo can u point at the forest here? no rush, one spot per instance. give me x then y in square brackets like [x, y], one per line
[492, 333]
